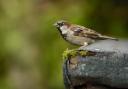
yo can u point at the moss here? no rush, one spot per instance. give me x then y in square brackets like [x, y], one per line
[83, 53]
[69, 53]
[72, 53]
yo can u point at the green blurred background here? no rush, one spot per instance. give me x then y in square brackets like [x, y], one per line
[30, 46]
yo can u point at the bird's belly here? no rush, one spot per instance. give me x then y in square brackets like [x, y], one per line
[79, 40]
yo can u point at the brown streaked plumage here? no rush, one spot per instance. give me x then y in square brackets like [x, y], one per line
[79, 35]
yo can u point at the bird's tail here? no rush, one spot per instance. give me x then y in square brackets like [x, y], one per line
[107, 37]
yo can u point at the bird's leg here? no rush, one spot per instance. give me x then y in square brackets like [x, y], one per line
[85, 44]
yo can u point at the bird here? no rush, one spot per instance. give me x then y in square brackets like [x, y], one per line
[79, 35]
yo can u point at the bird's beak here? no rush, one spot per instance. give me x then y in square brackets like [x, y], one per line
[56, 25]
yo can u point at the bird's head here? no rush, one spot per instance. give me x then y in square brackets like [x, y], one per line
[62, 25]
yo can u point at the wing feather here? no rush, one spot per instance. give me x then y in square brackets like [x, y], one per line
[86, 32]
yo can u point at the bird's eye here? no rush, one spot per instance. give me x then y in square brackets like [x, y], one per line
[61, 24]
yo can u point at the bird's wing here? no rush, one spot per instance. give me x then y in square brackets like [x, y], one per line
[86, 32]
[90, 33]
[95, 35]
[81, 31]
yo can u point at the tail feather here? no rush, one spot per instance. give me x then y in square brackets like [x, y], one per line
[107, 37]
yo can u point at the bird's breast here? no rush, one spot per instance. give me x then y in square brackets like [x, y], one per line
[77, 40]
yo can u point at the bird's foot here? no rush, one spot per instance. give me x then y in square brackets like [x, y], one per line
[85, 44]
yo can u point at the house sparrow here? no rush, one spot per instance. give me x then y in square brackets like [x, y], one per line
[79, 35]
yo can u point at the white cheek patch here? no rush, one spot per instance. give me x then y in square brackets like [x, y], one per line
[64, 29]
[64, 32]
